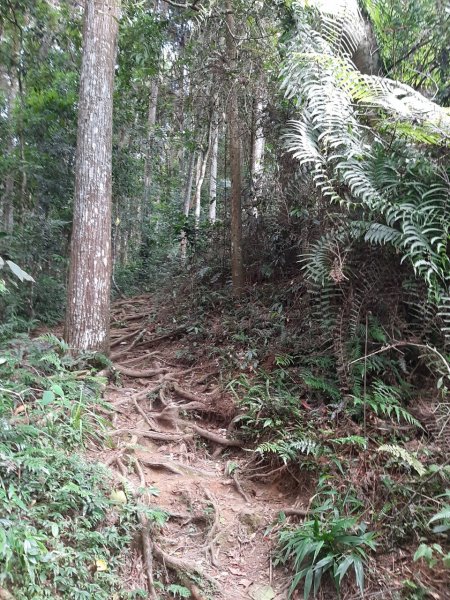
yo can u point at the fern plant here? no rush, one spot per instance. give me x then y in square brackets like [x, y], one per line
[405, 457]
[384, 400]
[376, 173]
[288, 449]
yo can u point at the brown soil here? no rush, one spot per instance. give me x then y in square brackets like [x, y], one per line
[164, 416]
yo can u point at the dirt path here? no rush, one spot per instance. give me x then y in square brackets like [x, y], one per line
[167, 437]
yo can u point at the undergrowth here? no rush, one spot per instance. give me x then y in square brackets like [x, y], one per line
[62, 532]
[344, 410]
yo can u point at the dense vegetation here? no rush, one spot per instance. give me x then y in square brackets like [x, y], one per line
[280, 190]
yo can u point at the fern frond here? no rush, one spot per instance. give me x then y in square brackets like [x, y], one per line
[403, 455]
[288, 449]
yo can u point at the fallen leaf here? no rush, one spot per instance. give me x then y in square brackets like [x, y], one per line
[101, 565]
[118, 496]
[261, 592]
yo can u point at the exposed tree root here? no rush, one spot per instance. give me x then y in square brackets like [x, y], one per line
[115, 356]
[137, 373]
[150, 422]
[239, 488]
[155, 464]
[185, 393]
[124, 337]
[212, 437]
[294, 512]
[178, 564]
[138, 359]
[212, 534]
[147, 552]
[153, 435]
[161, 338]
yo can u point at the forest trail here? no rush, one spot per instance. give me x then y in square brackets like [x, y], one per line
[167, 437]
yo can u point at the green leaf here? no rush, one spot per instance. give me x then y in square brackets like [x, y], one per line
[344, 567]
[359, 572]
[57, 389]
[47, 398]
[18, 272]
[308, 583]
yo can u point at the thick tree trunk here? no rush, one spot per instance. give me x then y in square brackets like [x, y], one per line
[213, 168]
[88, 302]
[237, 269]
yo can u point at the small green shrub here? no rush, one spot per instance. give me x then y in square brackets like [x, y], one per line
[334, 546]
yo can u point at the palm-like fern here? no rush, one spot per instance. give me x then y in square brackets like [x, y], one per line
[399, 193]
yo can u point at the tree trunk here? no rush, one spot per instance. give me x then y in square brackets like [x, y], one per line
[202, 164]
[88, 302]
[258, 145]
[237, 269]
[151, 121]
[9, 84]
[187, 204]
[213, 168]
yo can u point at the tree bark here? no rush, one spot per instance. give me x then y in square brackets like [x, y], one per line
[213, 168]
[237, 269]
[202, 164]
[88, 302]
[257, 151]
[9, 83]
[187, 204]
[151, 121]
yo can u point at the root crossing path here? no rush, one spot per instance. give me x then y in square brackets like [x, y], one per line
[170, 437]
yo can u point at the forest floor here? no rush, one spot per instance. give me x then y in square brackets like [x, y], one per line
[169, 434]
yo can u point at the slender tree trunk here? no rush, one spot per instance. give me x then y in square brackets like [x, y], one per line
[187, 204]
[213, 168]
[88, 302]
[237, 269]
[9, 83]
[257, 151]
[202, 164]
[151, 122]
